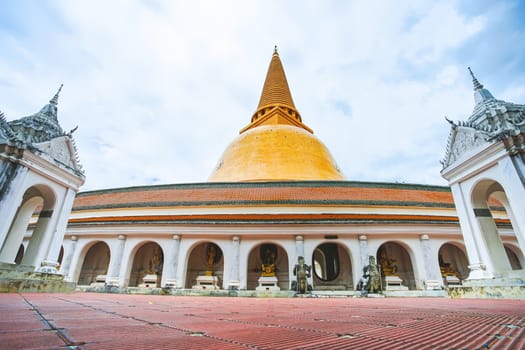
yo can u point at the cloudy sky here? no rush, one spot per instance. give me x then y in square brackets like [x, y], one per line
[160, 88]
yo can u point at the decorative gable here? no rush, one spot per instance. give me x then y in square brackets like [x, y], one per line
[61, 151]
[461, 140]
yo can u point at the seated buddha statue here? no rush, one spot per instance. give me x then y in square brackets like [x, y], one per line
[268, 270]
[268, 266]
[387, 265]
[446, 268]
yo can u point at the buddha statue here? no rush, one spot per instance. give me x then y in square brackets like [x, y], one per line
[446, 268]
[387, 265]
[268, 266]
[212, 253]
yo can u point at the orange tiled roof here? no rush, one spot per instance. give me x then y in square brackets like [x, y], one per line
[324, 193]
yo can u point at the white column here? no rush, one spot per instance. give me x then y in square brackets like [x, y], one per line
[515, 193]
[363, 258]
[66, 265]
[169, 275]
[299, 247]
[11, 201]
[38, 243]
[433, 278]
[463, 209]
[234, 282]
[363, 252]
[113, 277]
[60, 228]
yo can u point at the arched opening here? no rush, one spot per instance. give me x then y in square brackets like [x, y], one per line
[41, 202]
[19, 255]
[95, 264]
[33, 214]
[147, 266]
[492, 210]
[260, 261]
[332, 268]
[515, 256]
[205, 259]
[453, 264]
[396, 267]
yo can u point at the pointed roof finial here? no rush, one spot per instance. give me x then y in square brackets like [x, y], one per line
[275, 49]
[477, 85]
[275, 88]
[54, 100]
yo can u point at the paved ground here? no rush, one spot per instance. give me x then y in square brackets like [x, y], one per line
[117, 321]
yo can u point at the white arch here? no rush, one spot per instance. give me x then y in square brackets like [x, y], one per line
[489, 241]
[84, 254]
[414, 280]
[187, 278]
[130, 258]
[16, 233]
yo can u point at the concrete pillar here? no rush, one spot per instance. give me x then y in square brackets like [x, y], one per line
[169, 275]
[363, 252]
[466, 222]
[11, 201]
[234, 282]
[432, 276]
[299, 248]
[66, 265]
[37, 244]
[515, 193]
[113, 277]
[363, 258]
[59, 230]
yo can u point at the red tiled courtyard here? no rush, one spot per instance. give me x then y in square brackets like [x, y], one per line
[118, 321]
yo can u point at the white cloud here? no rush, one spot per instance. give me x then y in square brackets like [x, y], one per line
[160, 88]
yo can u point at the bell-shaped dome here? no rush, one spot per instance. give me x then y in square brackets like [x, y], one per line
[273, 153]
[276, 145]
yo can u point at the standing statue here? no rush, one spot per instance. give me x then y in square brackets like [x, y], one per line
[211, 256]
[302, 271]
[155, 264]
[371, 280]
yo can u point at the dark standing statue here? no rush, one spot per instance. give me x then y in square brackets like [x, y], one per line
[371, 280]
[302, 271]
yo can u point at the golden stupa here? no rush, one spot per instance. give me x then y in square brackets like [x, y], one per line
[276, 145]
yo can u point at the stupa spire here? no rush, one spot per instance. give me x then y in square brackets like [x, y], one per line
[276, 105]
[54, 100]
[480, 93]
[477, 85]
[275, 89]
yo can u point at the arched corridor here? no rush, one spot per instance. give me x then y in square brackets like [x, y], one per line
[95, 263]
[38, 200]
[331, 267]
[147, 261]
[515, 256]
[453, 263]
[488, 197]
[268, 254]
[395, 262]
[205, 259]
